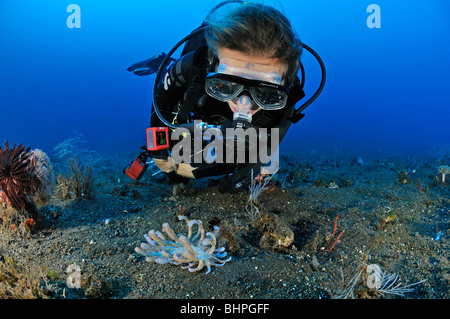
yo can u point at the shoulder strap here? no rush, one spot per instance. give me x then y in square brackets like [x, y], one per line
[196, 84]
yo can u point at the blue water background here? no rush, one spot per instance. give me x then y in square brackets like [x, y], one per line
[387, 89]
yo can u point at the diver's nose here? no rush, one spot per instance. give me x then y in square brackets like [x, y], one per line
[244, 103]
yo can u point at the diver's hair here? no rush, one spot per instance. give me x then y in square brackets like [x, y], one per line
[257, 29]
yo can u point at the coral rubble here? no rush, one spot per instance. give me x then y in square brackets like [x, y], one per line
[199, 251]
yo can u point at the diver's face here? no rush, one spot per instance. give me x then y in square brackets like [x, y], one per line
[252, 67]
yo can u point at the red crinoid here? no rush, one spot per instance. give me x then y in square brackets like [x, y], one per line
[15, 175]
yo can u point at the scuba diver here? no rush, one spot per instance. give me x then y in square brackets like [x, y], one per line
[237, 71]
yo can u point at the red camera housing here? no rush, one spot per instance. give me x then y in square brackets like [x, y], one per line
[137, 169]
[157, 138]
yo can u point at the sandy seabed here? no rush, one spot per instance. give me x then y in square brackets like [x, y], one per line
[99, 234]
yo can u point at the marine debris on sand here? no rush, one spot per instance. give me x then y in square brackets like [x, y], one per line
[199, 251]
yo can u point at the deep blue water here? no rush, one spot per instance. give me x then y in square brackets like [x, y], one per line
[387, 88]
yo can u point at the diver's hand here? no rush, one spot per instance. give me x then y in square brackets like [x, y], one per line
[185, 170]
[166, 165]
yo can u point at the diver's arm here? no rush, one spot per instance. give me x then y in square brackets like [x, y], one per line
[169, 92]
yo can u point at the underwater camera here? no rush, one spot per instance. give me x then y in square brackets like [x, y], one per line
[139, 166]
[157, 139]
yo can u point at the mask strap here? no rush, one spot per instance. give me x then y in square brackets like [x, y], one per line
[272, 77]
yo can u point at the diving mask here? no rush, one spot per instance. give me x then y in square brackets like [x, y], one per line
[226, 87]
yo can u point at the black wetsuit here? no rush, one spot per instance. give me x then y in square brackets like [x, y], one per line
[173, 90]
